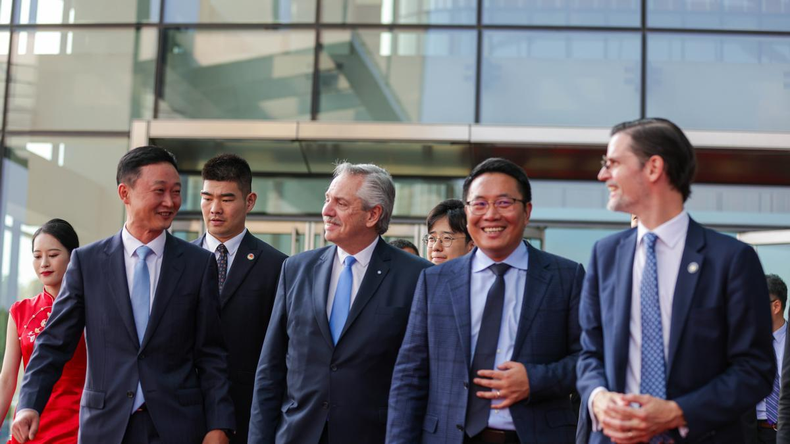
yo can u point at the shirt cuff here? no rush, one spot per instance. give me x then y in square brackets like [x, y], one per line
[684, 431]
[594, 421]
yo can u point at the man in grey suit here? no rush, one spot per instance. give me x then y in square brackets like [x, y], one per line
[338, 321]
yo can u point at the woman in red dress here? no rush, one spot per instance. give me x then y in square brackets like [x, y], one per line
[52, 246]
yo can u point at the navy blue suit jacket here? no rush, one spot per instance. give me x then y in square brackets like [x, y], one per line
[430, 384]
[720, 358]
[304, 382]
[181, 363]
[245, 308]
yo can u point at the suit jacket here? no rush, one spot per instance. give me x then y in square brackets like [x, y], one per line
[304, 382]
[181, 363]
[245, 308]
[783, 418]
[720, 359]
[430, 385]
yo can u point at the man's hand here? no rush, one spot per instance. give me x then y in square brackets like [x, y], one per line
[510, 384]
[25, 425]
[216, 437]
[603, 402]
[629, 424]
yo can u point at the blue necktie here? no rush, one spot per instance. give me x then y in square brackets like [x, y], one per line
[141, 301]
[772, 403]
[342, 302]
[653, 380]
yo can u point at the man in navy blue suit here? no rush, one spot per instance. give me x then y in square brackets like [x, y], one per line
[147, 301]
[490, 352]
[676, 328]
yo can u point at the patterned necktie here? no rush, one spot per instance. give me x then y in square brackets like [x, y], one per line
[141, 303]
[342, 302]
[772, 403]
[478, 409]
[222, 265]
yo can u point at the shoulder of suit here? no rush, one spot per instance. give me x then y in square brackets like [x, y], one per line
[409, 258]
[560, 261]
[717, 240]
[268, 250]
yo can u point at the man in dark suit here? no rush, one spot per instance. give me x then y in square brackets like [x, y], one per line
[338, 321]
[248, 272]
[676, 328]
[490, 352]
[157, 370]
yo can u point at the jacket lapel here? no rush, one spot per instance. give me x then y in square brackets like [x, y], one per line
[685, 287]
[169, 275]
[378, 268]
[321, 276]
[538, 279]
[624, 265]
[242, 264]
[115, 269]
[459, 285]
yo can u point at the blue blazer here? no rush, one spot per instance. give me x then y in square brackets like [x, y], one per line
[720, 358]
[430, 384]
[181, 363]
[304, 382]
[245, 308]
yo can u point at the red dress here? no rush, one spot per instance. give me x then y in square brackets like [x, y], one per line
[61, 417]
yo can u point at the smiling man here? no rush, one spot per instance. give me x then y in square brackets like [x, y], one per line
[248, 271]
[490, 352]
[339, 317]
[147, 301]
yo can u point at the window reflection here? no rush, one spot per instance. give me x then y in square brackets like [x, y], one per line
[239, 11]
[562, 12]
[450, 12]
[54, 12]
[755, 15]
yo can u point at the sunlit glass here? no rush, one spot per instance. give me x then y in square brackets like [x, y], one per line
[446, 241]
[480, 206]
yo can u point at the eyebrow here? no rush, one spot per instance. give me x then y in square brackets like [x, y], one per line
[51, 249]
[206, 193]
[164, 182]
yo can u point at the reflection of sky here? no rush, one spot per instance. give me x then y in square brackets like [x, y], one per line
[575, 243]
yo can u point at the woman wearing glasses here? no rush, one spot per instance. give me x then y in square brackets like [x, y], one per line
[447, 236]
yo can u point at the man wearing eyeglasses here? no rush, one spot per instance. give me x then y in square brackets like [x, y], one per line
[490, 351]
[447, 236]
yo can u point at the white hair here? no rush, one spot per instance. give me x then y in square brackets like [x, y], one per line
[376, 189]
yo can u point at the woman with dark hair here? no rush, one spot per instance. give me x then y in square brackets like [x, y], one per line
[52, 246]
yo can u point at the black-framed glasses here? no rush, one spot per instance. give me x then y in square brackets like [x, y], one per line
[480, 206]
[446, 240]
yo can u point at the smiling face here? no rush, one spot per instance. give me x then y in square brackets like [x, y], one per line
[497, 232]
[625, 176]
[50, 259]
[224, 208]
[152, 202]
[346, 222]
[438, 253]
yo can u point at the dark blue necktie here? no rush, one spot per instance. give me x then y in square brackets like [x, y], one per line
[222, 265]
[342, 302]
[141, 303]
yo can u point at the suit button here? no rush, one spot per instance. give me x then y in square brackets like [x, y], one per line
[325, 405]
[459, 427]
[130, 394]
[334, 368]
[466, 385]
[142, 356]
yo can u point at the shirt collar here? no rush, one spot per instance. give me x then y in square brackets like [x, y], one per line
[211, 243]
[363, 257]
[670, 232]
[131, 243]
[519, 258]
[779, 334]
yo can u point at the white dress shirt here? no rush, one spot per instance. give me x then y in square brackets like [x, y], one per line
[154, 259]
[669, 252]
[211, 243]
[515, 284]
[779, 349]
[358, 269]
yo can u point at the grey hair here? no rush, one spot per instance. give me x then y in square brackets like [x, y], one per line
[377, 189]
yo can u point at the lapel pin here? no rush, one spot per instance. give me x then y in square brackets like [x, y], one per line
[693, 267]
[378, 271]
[250, 257]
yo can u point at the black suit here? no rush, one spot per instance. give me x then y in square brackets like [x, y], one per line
[246, 305]
[304, 382]
[783, 419]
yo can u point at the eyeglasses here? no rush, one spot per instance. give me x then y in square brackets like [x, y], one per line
[445, 240]
[479, 207]
[606, 163]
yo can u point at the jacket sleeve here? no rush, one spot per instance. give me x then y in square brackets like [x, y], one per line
[783, 431]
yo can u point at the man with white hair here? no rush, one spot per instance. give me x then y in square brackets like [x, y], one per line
[338, 321]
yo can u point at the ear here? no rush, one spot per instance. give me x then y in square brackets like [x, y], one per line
[374, 214]
[654, 167]
[528, 210]
[470, 245]
[123, 192]
[250, 202]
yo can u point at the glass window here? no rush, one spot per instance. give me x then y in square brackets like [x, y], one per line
[84, 11]
[562, 12]
[575, 243]
[450, 12]
[401, 76]
[239, 11]
[560, 78]
[5, 17]
[718, 82]
[4, 37]
[247, 74]
[82, 79]
[762, 15]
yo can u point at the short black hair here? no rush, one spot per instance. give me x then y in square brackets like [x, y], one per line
[456, 217]
[660, 137]
[62, 231]
[131, 162]
[504, 166]
[778, 288]
[403, 243]
[229, 168]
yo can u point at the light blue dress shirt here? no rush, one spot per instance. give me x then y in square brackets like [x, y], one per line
[515, 286]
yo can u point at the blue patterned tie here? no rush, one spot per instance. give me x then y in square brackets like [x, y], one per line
[772, 403]
[222, 265]
[653, 381]
[342, 302]
[141, 303]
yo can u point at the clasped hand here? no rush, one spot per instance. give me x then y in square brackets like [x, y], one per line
[509, 383]
[631, 419]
